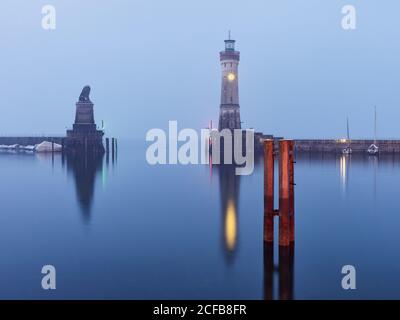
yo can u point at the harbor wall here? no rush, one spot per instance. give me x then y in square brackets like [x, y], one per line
[25, 141]
[336, 146]
[330, 145]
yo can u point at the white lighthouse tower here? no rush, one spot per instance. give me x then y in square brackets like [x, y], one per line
[229, 114]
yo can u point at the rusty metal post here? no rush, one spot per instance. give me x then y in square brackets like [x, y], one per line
[291, 192]
[284, 186]
[269, 190]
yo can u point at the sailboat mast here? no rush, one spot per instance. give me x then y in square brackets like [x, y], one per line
[375, 128]
[348, 131]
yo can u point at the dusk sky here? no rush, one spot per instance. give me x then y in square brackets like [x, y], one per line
[149, 62]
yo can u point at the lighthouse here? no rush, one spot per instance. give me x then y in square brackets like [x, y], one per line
[229, 113]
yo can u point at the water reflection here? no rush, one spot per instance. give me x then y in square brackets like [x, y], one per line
[374, 160]
[229, 185]
[344, 162]
[230, 225]
[284, 270]
[85, 168]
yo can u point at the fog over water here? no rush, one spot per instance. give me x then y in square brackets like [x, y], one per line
[149, 62]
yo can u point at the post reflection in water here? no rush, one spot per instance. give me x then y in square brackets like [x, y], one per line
[84, 168]
[284, 270]
[374, 160]
[344, 164]
[229, 184]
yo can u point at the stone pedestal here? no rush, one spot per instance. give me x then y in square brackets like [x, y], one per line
[84, 136]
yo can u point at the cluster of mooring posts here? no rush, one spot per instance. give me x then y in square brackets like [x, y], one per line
[285, 214]
[114, 145]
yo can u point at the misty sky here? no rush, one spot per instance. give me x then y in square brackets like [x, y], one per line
[151, 61]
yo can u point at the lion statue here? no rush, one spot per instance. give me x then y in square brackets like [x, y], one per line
[84, 97]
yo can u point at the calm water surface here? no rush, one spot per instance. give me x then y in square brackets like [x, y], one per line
[124, 229]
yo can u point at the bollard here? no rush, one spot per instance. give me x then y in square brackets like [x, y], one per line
[269, 190]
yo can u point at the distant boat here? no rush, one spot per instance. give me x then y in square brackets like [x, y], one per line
[347, 150]
[30, 148]
[373, 149]
[47, 146]
[9, 147]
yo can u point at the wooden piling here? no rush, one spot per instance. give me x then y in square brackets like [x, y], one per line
[269, 190]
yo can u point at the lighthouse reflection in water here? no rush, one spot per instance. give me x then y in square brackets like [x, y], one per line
[229, 185]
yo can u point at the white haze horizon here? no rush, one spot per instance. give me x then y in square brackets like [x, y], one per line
[148, 62]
